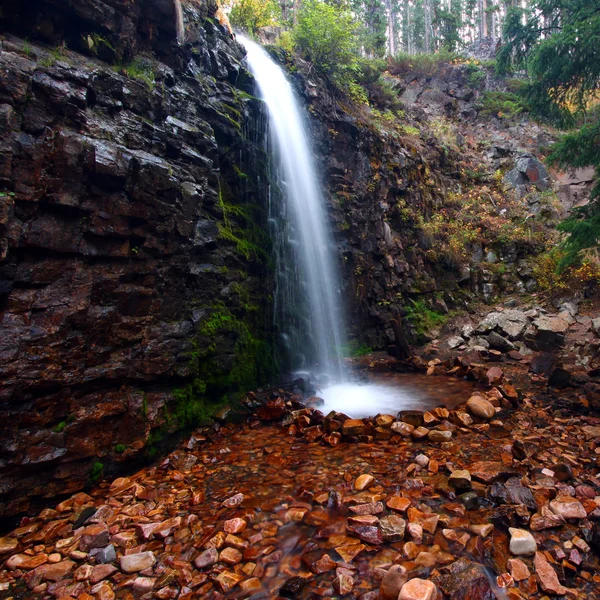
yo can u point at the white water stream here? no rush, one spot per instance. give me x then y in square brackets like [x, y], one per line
[314, 254]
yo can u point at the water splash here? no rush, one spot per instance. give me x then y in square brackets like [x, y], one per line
[307, 238]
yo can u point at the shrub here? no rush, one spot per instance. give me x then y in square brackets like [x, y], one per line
[504, 105]
[326, 36]
[251, 15]
[475, 75]
[419, 64]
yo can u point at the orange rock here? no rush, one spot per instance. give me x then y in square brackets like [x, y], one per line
[398, 503]
[363, 481]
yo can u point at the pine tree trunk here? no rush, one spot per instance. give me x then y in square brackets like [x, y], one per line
[391, 28]
[427, 9]
[297, 6]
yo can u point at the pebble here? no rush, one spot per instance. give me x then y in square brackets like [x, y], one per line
[8, 545]
[460, 480]
[132, 563]
[422, 460]
[392, 583]
[398, 503]
[546, 576]
[568, 508]
[521, 542]
[363, 481]
[518, 569]
[392, 528]
[418, 589]
[437, 435]
[481, 408]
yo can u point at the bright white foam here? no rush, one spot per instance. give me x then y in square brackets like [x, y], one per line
[367, 400]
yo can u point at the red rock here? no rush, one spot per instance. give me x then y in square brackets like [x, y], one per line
[295, 514]
[234, 501]
[494, 375]
[367, 533]
[164, 529]
[272, 410]
[23, 561]
[230, 556]
[398, 503]
[250, 586]
[132, 563]
[363, 520]
[418, 589]
[353, 427]
[392, 583]
[324, 564]
[143, 585]
[103, 591]
[333, 439]
[100, 572]
[207, 559]
[350, 551]
[343, 584]
[568, 507]
[228, 580]
[56, 572]
[372, 508]
[384, 420]
[94, 536]
[546, 576]
[234, 525]
[145, 530]
[419, 433]
[403, 429]
[518, 569]
[392, 528]
[8, 545]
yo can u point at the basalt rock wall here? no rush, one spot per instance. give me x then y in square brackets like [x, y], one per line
[131, 246]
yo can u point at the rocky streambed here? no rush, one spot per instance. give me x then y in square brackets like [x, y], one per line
[497, 498]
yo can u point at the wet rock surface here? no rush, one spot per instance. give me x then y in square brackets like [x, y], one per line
[227, 515]
[113, 256]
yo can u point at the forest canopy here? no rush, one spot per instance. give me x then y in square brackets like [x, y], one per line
[555, 44]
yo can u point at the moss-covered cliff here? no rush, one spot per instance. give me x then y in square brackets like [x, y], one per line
[134, 274]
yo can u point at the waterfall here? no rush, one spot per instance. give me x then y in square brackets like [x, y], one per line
[306, 239]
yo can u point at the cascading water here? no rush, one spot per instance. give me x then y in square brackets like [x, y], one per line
[307, 303]
[313, 243]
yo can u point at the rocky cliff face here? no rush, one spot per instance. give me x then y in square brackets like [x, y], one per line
[129, 235]
[419, 189]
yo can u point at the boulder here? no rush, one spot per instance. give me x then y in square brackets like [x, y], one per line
[550, 333]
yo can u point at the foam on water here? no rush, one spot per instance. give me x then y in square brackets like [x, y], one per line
[366, 400]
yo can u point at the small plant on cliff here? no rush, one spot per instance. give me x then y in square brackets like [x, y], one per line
[120, 448]
[422, 318]
[355, 349]
[96, 472]
[504, 105]
[138, 69]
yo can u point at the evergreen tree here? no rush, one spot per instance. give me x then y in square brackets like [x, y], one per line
[558, 41]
